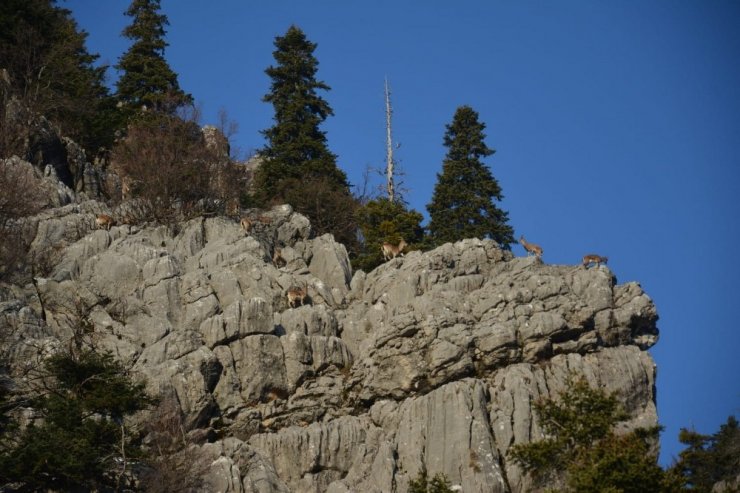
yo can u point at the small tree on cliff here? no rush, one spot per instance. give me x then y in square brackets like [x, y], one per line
[463, 201]
[147, 79]
[422, 484]
[81, 440]
[581, 443]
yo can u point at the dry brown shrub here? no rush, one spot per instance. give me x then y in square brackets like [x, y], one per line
[167, 159]
[174, 465]
[228, 184]
[12, 121]
[168, 164]
[19, 198]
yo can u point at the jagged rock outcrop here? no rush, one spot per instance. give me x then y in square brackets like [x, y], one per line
[216, 141]
[432, 360]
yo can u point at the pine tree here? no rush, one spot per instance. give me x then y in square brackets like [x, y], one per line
[81, 442]
[463, 201]
[582, 449]
[297, 166]
[710, 459]
[296, 148]
[147, 79]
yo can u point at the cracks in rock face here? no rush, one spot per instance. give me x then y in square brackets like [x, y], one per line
[41, 300]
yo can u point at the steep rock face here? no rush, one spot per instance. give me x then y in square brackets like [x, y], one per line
[432, 360]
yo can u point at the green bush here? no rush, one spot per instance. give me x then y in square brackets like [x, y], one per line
[80, 437]
[582, 448]
[380, 221]
[422, 484]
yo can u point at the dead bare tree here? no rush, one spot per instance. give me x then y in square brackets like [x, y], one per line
[390, 185]
[393, 185]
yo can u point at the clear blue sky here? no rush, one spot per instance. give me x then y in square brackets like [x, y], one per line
[616, 125]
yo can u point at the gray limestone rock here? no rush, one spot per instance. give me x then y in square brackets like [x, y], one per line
[448, 431]
[311, 458]
[431, 360]
[330, 263]
[232, 466]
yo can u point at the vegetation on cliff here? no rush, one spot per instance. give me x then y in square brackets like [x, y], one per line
[147, 81]
[582, 441]
[51, 73]
[464, 201]
[78, 435]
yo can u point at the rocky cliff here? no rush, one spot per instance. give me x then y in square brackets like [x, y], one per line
[431, 360]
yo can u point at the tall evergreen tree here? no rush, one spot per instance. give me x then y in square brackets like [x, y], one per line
[297, 166]
[147, 79]
[296, 148]
[463, 201]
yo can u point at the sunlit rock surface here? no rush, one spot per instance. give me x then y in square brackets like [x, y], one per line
[432, 360]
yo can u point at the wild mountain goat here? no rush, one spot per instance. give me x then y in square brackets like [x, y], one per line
[594, 259]
[246, 225]
[391, 251]
[105, 221]
[531, 247]
[277, 258]
[295, 295]
[126, 186]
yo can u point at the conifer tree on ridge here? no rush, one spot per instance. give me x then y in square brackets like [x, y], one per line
[296, 148]
[147, 79]
[463, 203]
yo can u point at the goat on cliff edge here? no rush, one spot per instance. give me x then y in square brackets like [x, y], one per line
[391, 251]
[531, 247]
[594, 259]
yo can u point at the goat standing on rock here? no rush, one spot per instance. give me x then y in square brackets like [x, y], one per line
[295, 295]
[246, 225]
[277, 258]
[105, 221]
[390, 251]
[531, 247]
